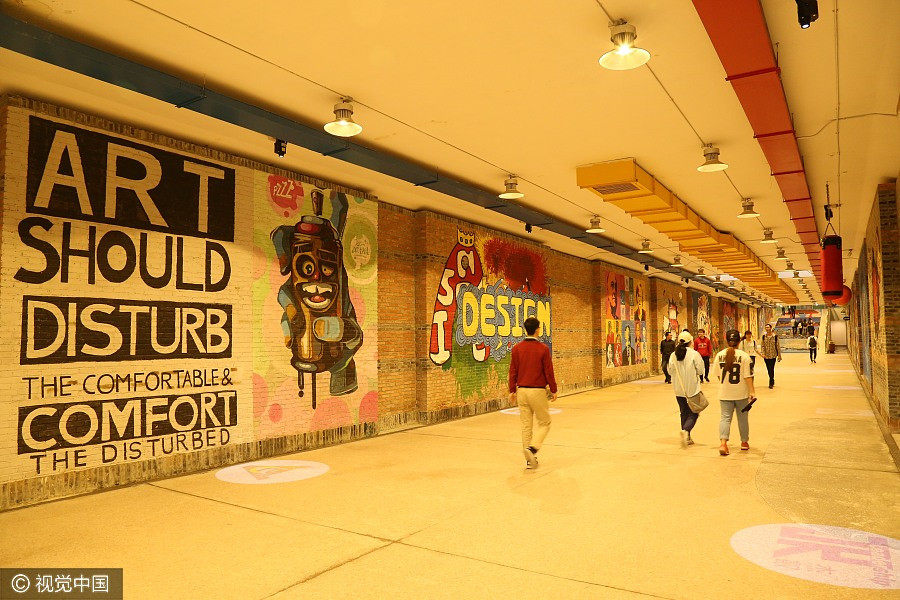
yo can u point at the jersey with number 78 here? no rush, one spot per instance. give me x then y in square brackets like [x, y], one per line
[733, 381]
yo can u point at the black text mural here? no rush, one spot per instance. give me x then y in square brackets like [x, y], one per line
[117, 267]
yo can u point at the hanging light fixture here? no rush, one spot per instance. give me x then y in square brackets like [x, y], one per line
[768, 237]
[677, 262]
[748, 212]
[789, 266]
[343, 124]
[700, 271]
[711, 164]
[595, 225]
[512, 190]
[625, 55]
[781, 255]
[645, 248]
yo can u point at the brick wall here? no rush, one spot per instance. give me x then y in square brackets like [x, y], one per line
[389, 282]
[874, 328]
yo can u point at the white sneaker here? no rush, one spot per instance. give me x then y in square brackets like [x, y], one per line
[530, 457]
[684, 438]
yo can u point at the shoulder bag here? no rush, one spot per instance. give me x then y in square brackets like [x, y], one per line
[698, 401]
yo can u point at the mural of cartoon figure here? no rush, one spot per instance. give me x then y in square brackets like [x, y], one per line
[672, 325]
[319, 321]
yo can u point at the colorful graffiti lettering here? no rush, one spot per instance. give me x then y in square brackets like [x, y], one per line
[463, 266]
[493, 316]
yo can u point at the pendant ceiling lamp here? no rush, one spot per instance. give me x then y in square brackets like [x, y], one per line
[595, 226]
[645, 248]
[711, 162]
[677, 262]
[748, 212]
[768, 237]
[343, 124]
[781, 255]
[625, 55]
[512, 189]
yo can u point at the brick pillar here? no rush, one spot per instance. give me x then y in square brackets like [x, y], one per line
[888, 208]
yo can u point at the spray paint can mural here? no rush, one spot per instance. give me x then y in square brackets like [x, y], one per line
[319, 320]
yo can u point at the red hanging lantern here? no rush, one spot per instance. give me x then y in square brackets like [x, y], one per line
[832, 267]
[844, 298]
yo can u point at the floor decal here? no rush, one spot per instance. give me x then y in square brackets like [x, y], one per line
[515, 411]
[833, 555]
[272, 471]
[836, 387]
[844, 412]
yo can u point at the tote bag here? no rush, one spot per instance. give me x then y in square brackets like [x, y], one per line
[698, 401]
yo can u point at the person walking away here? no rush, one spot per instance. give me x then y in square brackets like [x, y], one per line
[688, 369]
[770, 350]
[530, 374]
[703, 346]
[666, 348]
[813, 344]
[736, 390]
[748, 345]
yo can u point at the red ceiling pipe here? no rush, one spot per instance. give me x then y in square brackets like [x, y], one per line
[737, 29]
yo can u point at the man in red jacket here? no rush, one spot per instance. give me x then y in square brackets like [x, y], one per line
[530, 374]
[703, 346]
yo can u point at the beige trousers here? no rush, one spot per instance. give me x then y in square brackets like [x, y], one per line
[533, 403]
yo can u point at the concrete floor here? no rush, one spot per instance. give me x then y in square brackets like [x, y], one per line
[617, 509]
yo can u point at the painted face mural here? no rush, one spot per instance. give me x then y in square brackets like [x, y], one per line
[319, 319]
[612, 296]
[626, 320]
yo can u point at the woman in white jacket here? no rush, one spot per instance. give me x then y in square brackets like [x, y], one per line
[687, 369]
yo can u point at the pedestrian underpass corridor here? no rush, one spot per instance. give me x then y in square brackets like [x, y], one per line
[617, 508]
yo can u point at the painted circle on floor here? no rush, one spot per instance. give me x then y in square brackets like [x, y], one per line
[823, 553]
[271, 471]
[515, 411]
[837, 387]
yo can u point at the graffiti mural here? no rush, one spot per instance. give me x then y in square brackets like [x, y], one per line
[765, 316]
[700, 307]
[729, 316]
[483, 298]
[121, 293]
[314, 288]
[627, 341]
[319, 321]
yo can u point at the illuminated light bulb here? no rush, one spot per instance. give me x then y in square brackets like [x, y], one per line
[343, 124]
[625, 55]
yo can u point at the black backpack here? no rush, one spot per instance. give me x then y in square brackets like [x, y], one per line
[814, 343]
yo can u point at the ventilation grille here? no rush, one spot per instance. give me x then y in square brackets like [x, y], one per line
[615, 188]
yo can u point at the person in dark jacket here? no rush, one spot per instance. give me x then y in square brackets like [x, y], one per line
[666, 348]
